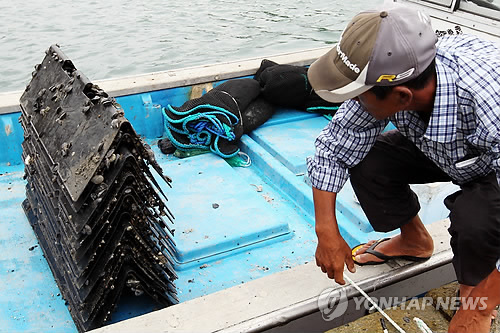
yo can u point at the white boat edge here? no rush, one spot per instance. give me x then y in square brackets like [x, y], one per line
[9, 101]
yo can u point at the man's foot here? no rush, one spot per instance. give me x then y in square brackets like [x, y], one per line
[414, 241]
[394, 248]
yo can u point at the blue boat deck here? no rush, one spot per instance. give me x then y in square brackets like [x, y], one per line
[30, 300]
[233, 224]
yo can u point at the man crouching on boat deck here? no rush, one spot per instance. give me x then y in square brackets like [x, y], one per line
[443, 96]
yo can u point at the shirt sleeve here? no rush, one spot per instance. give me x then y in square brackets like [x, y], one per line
[341, 145]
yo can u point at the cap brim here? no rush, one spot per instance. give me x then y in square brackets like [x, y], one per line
[330, 83]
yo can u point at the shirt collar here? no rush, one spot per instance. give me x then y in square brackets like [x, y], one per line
[443, 120]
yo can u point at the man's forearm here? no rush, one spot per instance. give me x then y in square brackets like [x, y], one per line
[324, 210]
[332, 252]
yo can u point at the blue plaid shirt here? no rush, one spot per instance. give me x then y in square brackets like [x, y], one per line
[463, 133]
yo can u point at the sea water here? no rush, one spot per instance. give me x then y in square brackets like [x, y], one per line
[116, 38]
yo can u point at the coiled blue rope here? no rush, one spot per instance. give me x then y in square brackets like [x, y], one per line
[202, 129]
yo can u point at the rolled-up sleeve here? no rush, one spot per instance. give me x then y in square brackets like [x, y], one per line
[342, 144]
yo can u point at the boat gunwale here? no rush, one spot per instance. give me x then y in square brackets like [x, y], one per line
[187, 76]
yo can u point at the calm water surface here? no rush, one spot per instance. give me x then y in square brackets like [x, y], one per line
[115, 38]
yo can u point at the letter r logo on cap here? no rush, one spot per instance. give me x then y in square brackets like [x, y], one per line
[386, 77]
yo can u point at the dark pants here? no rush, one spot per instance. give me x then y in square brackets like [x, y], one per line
[381, 183]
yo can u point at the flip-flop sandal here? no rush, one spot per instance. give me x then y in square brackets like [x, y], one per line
[385, 258]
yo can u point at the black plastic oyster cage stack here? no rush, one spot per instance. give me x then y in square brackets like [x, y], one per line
[92, 197]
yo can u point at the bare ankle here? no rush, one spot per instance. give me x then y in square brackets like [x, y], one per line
[416, 235]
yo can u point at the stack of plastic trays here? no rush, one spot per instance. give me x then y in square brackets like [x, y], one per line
[92, 199]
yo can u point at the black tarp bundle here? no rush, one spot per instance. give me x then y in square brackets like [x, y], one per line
[288, 86]
[218, 119]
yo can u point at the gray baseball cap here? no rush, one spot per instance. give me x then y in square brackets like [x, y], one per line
[380, 47]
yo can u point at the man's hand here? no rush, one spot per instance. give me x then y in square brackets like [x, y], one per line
[332, 252]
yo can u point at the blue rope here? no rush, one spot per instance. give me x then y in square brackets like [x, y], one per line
[218, 128]
[217, 109]
[215, 149]
[199, 128]
[314, 108]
